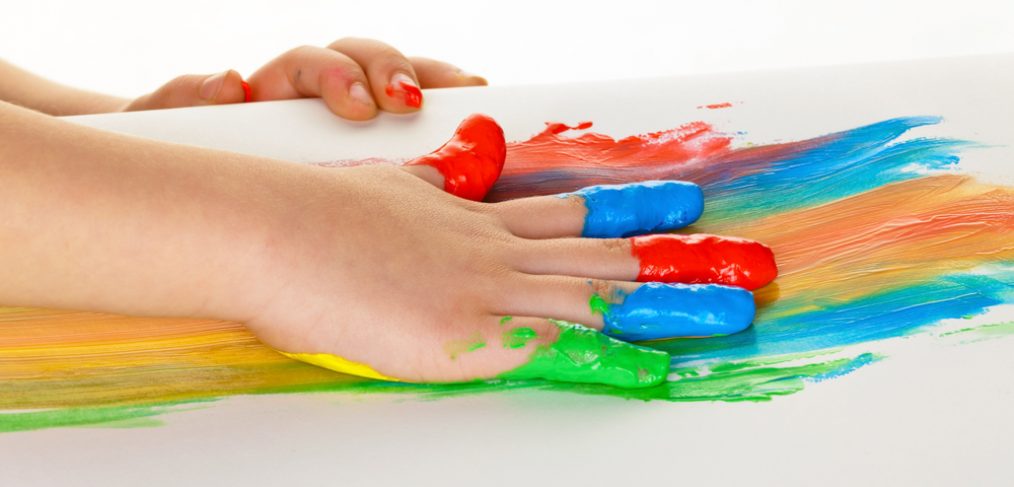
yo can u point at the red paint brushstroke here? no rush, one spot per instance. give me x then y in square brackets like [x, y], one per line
[716, 106]
[704, 259]
[247, 92]
[563, 163]
[472, 160]
[410, 93]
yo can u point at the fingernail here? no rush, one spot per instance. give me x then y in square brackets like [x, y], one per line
[657, 310]
[357, 92]
[211, 86]
[621, 210]
[584, 355]
[405, 87]
[703, 259]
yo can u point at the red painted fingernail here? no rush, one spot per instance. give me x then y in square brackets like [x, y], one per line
[405, 86]
[247, 94]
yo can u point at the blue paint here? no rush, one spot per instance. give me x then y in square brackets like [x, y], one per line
[830, 322]
[621, 210]
[831, 167]
[656, 310]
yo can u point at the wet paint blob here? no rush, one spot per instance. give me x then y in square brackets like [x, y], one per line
[620, 210]
[657, 310]
[584, 355]
[472, 160]
[704, 259]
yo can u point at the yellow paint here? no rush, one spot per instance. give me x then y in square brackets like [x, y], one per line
[339, 364]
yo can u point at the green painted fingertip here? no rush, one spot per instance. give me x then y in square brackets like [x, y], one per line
[584, 355]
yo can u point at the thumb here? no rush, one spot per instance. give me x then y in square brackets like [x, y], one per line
[469, 163]
[195, 90]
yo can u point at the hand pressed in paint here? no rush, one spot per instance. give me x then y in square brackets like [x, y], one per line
[389, 278]
[355, 77]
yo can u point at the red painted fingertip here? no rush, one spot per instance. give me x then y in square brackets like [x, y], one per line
[247, 93]
[704, 259]
[472, 160]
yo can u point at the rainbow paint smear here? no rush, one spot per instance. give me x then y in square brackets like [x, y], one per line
[875, 239]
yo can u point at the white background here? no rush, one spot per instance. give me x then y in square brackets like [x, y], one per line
[129, 48]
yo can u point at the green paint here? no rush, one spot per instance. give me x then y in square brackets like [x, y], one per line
[598, 305]
[475, 346]
[505, 320]
[991, 330]
[584, 355]
[127, 416]
[518, 337]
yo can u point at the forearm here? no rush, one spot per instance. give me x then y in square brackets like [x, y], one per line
[29, 90]
[101, 221]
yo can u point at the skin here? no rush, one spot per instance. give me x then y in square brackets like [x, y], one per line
[366, 263]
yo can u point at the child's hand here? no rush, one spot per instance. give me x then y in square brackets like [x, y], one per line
[355, 77]
[387, 278]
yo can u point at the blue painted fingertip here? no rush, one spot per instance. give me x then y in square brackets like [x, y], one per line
[656, 310]
[621, 210]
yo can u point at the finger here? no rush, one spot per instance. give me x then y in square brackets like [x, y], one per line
[392, 77]
[606, 211]
[438, 74]
[634, 312]
[469, 163]
[580, 354]
[194, 90]
[669, 258]
[310, 71]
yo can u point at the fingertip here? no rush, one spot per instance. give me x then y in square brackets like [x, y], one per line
[404, 94]
[582, 355]
[232, 89]
[621, 210]
[658, 311]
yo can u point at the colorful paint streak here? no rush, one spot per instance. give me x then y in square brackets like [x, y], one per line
[472, 160]
[657, 311]
[867, 248]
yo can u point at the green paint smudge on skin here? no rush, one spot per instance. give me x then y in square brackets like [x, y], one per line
[518, 337]
[598, 305]
[457, 347]
[505, 320]
[475, 346]
[584, 355]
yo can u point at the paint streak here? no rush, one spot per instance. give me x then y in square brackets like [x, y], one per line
[716, 106]
[472, 160]
[656, 311]
[868, 250]
[704, 259]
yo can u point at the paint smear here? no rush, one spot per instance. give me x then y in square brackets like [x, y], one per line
[868, 250]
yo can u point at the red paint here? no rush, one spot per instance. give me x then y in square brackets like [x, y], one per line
[411, 94]
[704, 259]
[472, 160]
[716, 106]
[247, 93]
